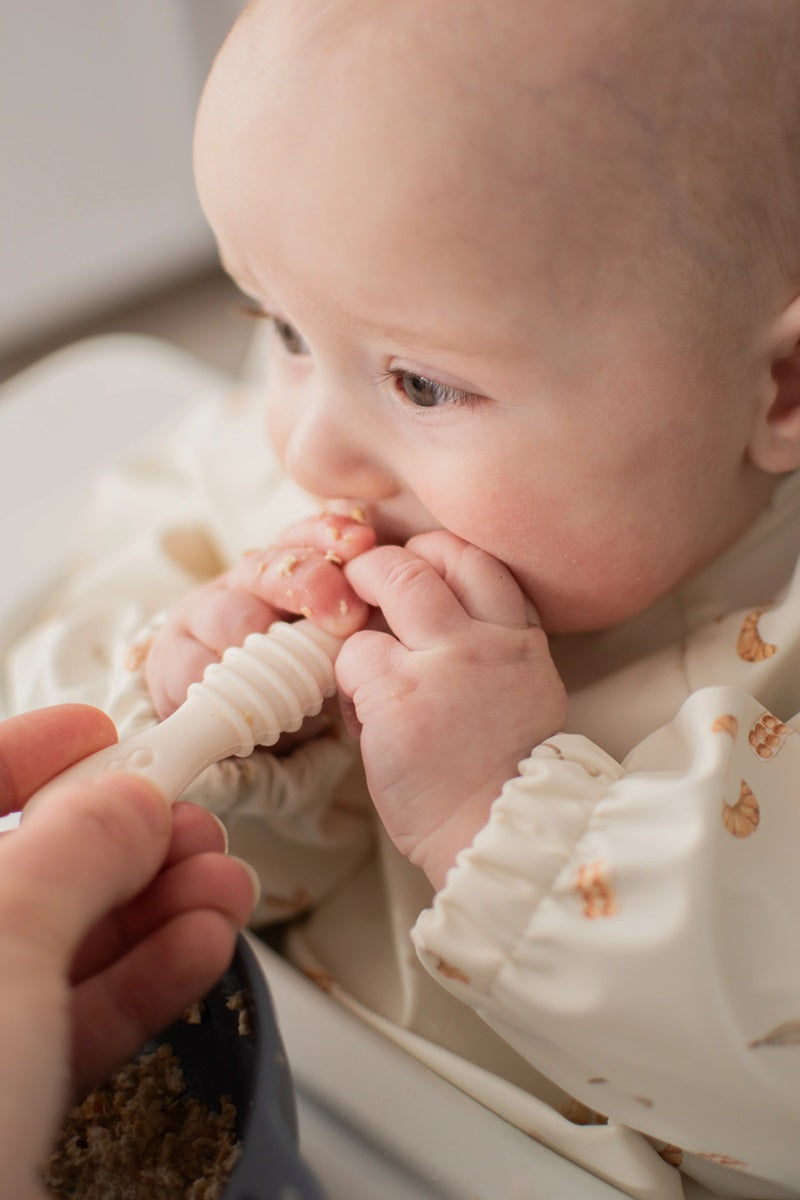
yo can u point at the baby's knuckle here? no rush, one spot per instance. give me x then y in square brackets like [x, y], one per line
[406, 574]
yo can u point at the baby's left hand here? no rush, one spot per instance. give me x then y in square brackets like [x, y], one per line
[449, 701]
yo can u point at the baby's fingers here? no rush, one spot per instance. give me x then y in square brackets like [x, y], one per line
[341, 536]
[434, 587]
[365, 660]
[485, 586]
[418, 606]
[197, 633]
[223, 613]
[168, 679]
[303, 581]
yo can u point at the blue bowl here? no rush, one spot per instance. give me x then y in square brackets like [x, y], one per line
[251, 1069]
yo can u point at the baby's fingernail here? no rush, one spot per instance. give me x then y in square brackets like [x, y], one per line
[532, 614]
[254, 880]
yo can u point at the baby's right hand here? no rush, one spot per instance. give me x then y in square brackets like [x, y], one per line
[299, 575]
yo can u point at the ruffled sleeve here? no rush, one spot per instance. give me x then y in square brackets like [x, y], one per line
[631, 928]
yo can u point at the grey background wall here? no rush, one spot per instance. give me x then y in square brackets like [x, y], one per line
[97, 204]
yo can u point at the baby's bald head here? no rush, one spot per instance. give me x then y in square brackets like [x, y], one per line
[665, 127]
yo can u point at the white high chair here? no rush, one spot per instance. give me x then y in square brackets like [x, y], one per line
[375, 1124]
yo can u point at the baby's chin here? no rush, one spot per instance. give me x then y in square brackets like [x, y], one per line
[571, 615]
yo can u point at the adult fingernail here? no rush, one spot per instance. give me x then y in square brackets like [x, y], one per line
[223, 830]
[254, 880]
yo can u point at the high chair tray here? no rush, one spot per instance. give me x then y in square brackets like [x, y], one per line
[374, 1122]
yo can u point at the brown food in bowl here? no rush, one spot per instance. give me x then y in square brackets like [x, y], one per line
[140, 1136]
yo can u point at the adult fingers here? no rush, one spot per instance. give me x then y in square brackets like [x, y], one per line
[211, 881]
[86, 848]
[37, 745]
[194, 831]
[203, 881]
[115, 1012]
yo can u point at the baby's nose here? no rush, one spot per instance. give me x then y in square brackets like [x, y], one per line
[327, 458]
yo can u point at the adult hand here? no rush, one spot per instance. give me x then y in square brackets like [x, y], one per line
[116, 913]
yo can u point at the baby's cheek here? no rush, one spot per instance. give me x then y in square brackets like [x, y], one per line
[576, 572]
[276, 424]
[505, 528]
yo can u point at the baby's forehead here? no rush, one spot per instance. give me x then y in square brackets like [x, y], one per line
[520, 92]
[489, 79]
[653, 51]
[626, 80]
[488, 46]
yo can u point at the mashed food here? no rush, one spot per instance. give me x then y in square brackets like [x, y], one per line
[140, 1136]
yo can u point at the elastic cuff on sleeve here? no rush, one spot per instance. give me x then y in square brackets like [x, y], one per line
[492, 893]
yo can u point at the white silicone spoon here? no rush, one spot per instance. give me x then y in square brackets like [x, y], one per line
[258, 691]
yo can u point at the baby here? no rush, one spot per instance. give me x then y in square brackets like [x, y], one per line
[532, 274]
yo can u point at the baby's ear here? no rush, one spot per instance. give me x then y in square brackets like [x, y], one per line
[775, 444]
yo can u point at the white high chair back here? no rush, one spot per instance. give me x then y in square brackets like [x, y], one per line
[59, 421]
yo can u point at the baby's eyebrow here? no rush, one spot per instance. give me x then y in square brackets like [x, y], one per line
[469, 342]
[465, 345]
[409, 337]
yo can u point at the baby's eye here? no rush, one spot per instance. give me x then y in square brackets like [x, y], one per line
[290, 339]
[427, 393]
